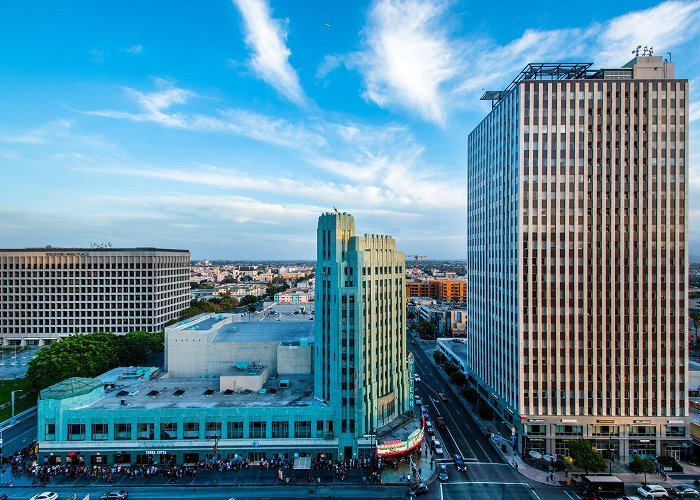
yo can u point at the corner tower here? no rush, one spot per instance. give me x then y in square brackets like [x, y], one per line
[360, 328]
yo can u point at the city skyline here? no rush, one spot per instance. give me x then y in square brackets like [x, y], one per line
[228, 130]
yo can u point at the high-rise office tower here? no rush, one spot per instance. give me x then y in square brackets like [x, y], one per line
[360, 327]
[49, 292]
[577, 263]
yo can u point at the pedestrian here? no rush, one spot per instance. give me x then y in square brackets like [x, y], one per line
[420, 471]
[516, 465]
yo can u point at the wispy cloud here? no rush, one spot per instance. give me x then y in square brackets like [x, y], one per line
[134, 49]
[411, 60]
[266, 37]
[409, 56]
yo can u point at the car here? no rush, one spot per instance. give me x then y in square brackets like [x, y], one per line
[413, 342]
[443, 397]
[684, 491]
[418, 400]
[442, 473]
[418, 490]
[429, 428]
[441, 422]
[47, 495]
[459, 463]
[416, 378]
[652, 491]
[424, 411]
[115, 495]
[437, 447]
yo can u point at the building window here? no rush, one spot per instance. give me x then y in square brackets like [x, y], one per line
[190, 430]
[100, 432]
[568, 430]
[145, 431]
[76, 432]
[302, 429]
[168, 430]
[606, 430]
[256, 430]
[212, 430]
[642, 430]
[280, 429]
[50, 432]
[536, 430]
[122, 432]
[675, 431]
[234, 430]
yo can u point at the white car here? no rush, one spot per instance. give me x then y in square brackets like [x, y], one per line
[652, 491]
[47, 495]
[418, 401]
[437, 446]
[416, 378]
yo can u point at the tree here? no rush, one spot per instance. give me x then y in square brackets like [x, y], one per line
[470, 395]
[641, 465]
[485, 412]
[89, 355]
[248, 299]
[585, 456]
[439, 357]
[458, 378]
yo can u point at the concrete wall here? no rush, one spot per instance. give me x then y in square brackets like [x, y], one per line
[243, 381]
[293, 359]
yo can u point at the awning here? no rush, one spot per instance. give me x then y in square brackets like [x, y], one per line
[303, 463]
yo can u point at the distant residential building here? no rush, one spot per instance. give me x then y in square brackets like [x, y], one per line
[46, 293]
[446, 290]
[294, 297]
[448, 320]
[577, 261]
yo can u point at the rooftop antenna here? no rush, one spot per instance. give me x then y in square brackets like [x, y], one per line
[636, 51]
[645, 51]
[336, 210]
[669, 57]
[651, 51]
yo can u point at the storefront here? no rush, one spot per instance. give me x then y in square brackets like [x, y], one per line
[643, 447]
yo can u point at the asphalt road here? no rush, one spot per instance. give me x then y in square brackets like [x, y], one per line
[462, 435]
[18, 436]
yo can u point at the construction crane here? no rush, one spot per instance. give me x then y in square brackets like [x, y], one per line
[415, 265]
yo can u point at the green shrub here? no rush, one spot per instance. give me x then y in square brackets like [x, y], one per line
[458, 378]
[485, 412]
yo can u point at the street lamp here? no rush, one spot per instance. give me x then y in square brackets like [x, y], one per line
[12, 396]
[610, 453]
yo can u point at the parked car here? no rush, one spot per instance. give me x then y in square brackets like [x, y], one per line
[441, 422]
[115, 495]
[429, 428]
[424, 411]
[459, 463]
[652, 491]
[437, 447]
[443, 397]
[418, 490]
[418, 400]
[47, 495]
[684, 491]
[442, 473]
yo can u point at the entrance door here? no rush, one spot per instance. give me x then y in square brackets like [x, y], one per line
[674, 453]
[347, 453]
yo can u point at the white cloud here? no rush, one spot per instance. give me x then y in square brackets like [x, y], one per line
[668, 24]
[267, 37]
[410, 59]
[409, 56]
[134, 49]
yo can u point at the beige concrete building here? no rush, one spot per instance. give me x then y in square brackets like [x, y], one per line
[51, 292]
[577, 264]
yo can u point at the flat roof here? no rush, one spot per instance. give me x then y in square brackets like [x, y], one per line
[457, 346]
[204, 393]
[266, 331]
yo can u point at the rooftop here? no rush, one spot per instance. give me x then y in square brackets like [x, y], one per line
[50, 249]
[204, 393]
[71, 387]
[457, 346]
[266, 331]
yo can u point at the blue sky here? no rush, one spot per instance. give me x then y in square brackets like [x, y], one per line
[227, 127]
